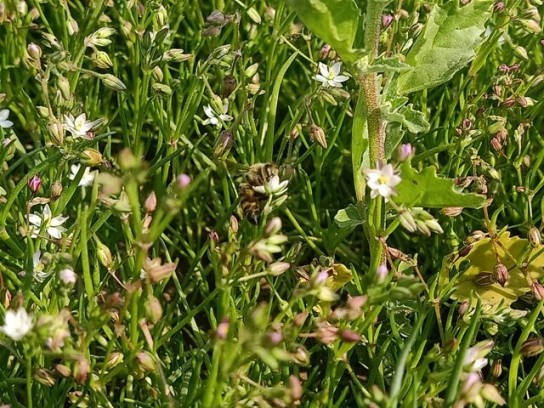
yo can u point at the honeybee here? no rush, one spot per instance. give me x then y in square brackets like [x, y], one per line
[250, 200]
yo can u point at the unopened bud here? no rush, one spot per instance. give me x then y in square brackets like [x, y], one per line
[531, 26]
[273, 227]
[327, 333]
[114, 359]
[34, 51]
[57, 132]
[223, 329]
[150, 202]
[153, 309]
[301, 356]
[183, 181]
[91, 157]
[501, 274]
[176, 55]
[463, 307]
[538, 290]
[113, 82]
[103, 254]
[407, 220]
[349, 336]
[318, 136]
[145, 361]
[73, 27]
[324, 52]
[102, 60]
[81, 370]
[56, 190]
[278, 268]
[233, 223]
[534, 237]
[63, 370]
[387, 19]
[532, 347]
[34, 183]
[406, 152]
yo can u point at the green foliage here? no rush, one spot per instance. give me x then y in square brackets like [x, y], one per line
[446, 44]
[334, 21]
[426, 189]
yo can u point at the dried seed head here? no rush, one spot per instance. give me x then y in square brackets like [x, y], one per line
[318, 136]
[496, 144]
[485, 279]
[532, 347]
[534, 237]
[229, 85]
[496, 369]
[56, 190]
[501, 274]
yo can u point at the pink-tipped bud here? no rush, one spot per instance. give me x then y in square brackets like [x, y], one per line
[35, 183]
[406, 152]
[387, 19]
[183, 181]
[151, 202]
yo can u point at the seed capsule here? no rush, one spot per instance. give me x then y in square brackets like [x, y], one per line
[485, 279]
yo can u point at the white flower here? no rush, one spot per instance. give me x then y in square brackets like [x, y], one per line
[382, 181]
[88, 176]
[214, 118]
[330, 77]
[79, 126]
[4, 122]
[273, 187]
[68, 276]
[53, 226]
[17, 324]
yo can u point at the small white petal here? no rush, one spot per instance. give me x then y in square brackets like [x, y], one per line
[4, 114]
[35, 219]
[336, 68]
[324, 70]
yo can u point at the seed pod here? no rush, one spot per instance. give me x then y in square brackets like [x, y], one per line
[534, 237]
[452, 211]
[485, 279]
[318, 136]
[532, 347]
[538, 290]
[229, 85]
[501, 274]
[496, 369]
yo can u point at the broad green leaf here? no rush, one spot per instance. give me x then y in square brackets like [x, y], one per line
[446, 44]
[483, 258]
[334, 21]
[411, 119]
[426, 189]
[348, 217]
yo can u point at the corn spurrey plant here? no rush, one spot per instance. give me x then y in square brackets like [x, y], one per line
[175, 217]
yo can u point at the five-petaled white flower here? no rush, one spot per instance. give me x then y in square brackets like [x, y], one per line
[87, 178]
[17, 324]
[331, 77]
[215, 118]
[51, 225]
[4, 122]
[382, 181]
[79, 126]
[273, 187]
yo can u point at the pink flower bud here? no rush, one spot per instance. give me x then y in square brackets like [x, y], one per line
[183, 181]
[386, 20]
[34, 183]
